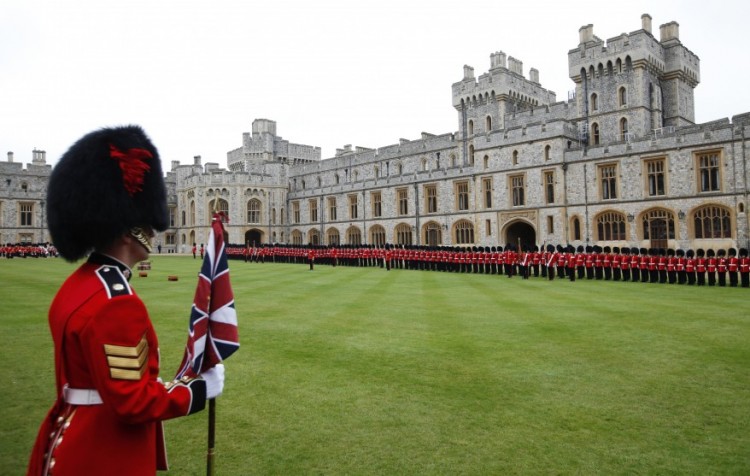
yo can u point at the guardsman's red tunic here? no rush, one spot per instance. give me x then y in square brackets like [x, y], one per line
[109, 407]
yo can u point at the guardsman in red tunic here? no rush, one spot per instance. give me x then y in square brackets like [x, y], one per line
[680, 267]
[616, 260]
[744, 268]
[732, 267]
[607, 263]
[700, 267]
[712, 263]
[721, 267]
[106, 196]
[690, 262]
[671, 266]
[625, 263]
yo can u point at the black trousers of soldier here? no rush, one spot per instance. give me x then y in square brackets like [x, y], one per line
[581, 272]
[607, 273]
[626, 274]
[745, 280]
[733, 279]
[711, 278]
[599, 272]
[662, 276]
[700, 278]
[672, 277]
[550, 273]
[722, 279]
[616, 274]
[590, 272]
[572, 274]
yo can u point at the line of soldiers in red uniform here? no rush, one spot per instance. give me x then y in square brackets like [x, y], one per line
[652, 265]
[27, 250]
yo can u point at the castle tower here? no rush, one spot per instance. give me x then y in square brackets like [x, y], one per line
[632, 84]
[484, 104]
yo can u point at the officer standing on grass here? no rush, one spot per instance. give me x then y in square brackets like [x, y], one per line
[106, 197]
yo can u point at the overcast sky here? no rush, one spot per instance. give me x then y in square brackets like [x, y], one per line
[195, 74]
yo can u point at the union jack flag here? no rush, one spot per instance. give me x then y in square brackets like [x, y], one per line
[212, 336]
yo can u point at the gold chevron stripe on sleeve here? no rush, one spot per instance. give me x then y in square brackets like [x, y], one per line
[127, 363]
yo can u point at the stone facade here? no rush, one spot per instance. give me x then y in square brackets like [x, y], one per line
[619, 163]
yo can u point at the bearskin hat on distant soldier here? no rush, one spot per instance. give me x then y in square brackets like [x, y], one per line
[107, 184]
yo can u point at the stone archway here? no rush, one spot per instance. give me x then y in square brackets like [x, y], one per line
[253, 237]
[520, 230]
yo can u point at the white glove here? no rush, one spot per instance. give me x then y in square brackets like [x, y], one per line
[214, 378]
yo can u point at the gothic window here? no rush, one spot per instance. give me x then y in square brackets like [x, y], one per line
[487, 191]
[549, 186]
[658, 224]
[547, 150]
[430, 193]
[471, 154]
[377, 235]
[712, 222]
[313, 205]
[655, 177]
[377, 207]
[486, 161]
[353, 236]
[462, 195]
[172, 216]
[517, 191]
[610, 226]
[183, 215]
[624, 136]
[402, 196]
[26, 214]
[333, 237]
[608, 181]
[708, 172]
[424, 165]
[215, 206]
[471, 127]
[595, 134]
[488, 123]
[332, 209]
[464, 232]
[296, 237]
[403, 234]
[515, 157]
[295, 214]
[622, 96]
[253, 211]
[192, 213]
[594, 102]
[576, 229]
[353, 207]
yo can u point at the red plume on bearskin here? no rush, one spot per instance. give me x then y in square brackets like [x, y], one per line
[107, 182]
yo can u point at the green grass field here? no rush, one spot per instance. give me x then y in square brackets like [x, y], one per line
[363, 371]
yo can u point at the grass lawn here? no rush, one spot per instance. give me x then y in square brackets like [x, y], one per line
[363, 371]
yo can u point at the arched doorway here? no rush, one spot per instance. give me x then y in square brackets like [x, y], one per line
[253, 237]
[520, 230]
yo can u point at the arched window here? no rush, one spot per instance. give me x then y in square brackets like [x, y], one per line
[403, 234]
[353, 236]
[488, 123]
[313, 237]
[333, 237]
[336, 179]
[192, 213]
[547, 150]
[377, 235]
[624, 130]
[515, 157]
[658, 224]
[712, 221]
[296, 237]
[486, 161]
[183, 217]
[610, 226]
[471, 127]
[464, 232]
[595, 134]
[253, 211]
[622, 96]
[273, 216]
[594, 102]
[576, 229]
[453, 160]
[399, 169]
[471, 154]
[424, 165]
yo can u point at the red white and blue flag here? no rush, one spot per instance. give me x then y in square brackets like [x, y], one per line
[212, 335]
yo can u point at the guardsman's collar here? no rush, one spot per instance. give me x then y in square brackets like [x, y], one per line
[98, 258]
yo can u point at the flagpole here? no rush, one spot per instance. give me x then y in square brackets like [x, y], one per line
[211, 436]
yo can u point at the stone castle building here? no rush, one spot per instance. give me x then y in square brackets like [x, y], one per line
[621, 162]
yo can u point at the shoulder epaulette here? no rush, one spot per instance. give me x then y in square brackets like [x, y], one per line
[114, 281]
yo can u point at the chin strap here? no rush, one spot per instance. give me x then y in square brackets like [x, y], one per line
[140, 235]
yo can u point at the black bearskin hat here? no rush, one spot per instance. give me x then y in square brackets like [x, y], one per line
[106, 183]
[743, 252]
